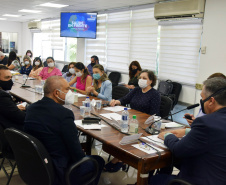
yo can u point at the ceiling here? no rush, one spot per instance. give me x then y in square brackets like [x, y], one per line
[12, 7]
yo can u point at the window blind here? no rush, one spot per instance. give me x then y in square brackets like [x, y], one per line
[179, 50]
[98, 46]
[144, 33]
[118, 41]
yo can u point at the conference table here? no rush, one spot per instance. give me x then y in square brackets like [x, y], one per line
[108, 136]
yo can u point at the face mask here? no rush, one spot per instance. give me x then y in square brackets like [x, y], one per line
[51, 64]
[69, 98]
[96, 76]
[72, 70]
[37, 63]
[22, 64]
[142, 83]
[26, 62]
[134, 71]
[29, 54]
[78, 74]
[93, 64]
[6, 85]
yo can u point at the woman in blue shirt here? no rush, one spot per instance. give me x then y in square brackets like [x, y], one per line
[26, 65]
[102, 86]
[71, 73]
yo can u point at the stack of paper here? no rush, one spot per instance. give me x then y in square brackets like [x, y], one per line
[112, 115]
[90, 126]
[115, 109]
[155, 139]
[173, 125]
[150, 150]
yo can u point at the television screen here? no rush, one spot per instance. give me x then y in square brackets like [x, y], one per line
[80, 25]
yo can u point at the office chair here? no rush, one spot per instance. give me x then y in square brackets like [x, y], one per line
[65, 69]
[34, 163]
[114, 77]
[6, 154]
[119, 91]
[165, 106]
[178, 182]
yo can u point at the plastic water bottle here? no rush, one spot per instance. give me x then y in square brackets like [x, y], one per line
[88, 106]
[125, 120]
[133, 126]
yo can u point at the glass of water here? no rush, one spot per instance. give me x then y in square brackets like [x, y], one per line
[98, 104]
[24, 78]
[82, 111]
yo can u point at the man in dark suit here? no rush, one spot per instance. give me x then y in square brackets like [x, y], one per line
[11, 115]
[54, 126]
[203, 150]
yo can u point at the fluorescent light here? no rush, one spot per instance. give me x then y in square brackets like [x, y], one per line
[30, 11]
[11, 15]
[53, 5]
[2, 19]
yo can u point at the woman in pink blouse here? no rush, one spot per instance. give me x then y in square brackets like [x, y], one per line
[51, 70]
[37, 68]
[82, 78]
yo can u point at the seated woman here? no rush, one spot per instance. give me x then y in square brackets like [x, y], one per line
[51, 70]
[37, 68]
[82, 78]
[26, 68]
[102, 86]
[13, 62]
[70, 75]
[143, 98]
[134, 71]
[29, 53]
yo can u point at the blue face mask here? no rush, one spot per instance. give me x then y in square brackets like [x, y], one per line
[96, 76]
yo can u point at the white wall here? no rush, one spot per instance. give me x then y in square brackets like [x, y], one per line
[13, 27]
[26, 38]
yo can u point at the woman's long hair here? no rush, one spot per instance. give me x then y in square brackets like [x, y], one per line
[80, 66]
[103, 78]
[12, 57]
[37, 59]
[133, 63]
[72, 63]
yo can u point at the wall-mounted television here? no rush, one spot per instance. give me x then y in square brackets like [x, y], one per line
[79, 25]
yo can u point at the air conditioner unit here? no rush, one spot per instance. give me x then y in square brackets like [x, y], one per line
[178, 9]
[34, 25]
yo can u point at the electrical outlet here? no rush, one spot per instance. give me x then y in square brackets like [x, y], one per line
[199, 86]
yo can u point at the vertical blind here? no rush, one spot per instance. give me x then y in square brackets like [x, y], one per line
[98, 46]
[179, 51]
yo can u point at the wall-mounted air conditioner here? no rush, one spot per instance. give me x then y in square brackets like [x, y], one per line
[178, 9]
[34, 25]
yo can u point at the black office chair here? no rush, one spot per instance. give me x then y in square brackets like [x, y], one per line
[6, 154]
[176, 91]
[65, 69]
[165, 106]
[34, 163]
[178, 182]
[114, 77]
[45, 64]
[119, 91]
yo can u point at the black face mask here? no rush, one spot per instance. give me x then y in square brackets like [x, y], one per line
[212, 95]
[93, 64]
[134, 71]
[6, 85]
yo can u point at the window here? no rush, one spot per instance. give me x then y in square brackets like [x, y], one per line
[179, 50]
[49, 43]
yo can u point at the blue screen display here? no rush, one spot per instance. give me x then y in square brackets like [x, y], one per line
[80, 25]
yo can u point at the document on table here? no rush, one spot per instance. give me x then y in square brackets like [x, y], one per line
[90, 126]
[155, 139]
[150, 150]
[112, 115]
[80, 95]
[173, 125]
[115, 109]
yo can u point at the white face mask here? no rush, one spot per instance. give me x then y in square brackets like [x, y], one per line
[22, 64]
[69, 98]
[51, 64]
[142, 83]
[79, 74]
[26, 62]
[72, 70]
[37, 63]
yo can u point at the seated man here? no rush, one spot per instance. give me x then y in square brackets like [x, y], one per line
[11, 115]
[54, 126]
[202, 151]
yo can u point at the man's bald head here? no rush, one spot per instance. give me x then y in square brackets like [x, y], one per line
[52, 83]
